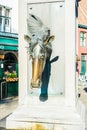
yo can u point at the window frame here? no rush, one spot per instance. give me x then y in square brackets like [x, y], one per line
[83, 39]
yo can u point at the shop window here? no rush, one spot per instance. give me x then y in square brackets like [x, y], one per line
[83, 39]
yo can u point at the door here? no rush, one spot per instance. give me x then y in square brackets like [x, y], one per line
[83, 65]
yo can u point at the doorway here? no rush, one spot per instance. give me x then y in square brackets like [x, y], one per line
[10, 62]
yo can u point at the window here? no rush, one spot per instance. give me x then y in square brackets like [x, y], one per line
[0, 24]
[83, 57]
[0, 21]
[7, 12]
[5, 19]
[0, 18]
[6, 22]
[83, 39]
[0, 10]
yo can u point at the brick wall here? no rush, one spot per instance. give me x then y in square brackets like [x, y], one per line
[82, 19]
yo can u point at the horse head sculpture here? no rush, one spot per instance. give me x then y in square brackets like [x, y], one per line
[40, 47]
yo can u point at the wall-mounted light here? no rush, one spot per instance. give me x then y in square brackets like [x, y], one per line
[2, 66]
[2, 56]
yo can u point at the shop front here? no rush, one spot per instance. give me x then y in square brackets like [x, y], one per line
[8, 66]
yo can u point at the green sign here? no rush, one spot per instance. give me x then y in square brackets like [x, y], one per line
[4, 47]
[9, 40]
[8, 44]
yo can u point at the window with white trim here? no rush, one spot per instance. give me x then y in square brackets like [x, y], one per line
[7, 12]
[82, 39]
[5, 19]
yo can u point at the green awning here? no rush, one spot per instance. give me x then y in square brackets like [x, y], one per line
[8, 44]
[8, 40]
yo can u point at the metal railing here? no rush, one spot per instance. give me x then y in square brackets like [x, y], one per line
[3, 86]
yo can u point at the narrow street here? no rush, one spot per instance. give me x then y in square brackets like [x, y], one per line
[7, 106]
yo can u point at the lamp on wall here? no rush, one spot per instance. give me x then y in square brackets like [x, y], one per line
[2, 56]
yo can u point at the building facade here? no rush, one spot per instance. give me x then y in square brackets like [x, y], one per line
[8, 48]
[82, 37]
[9, 16]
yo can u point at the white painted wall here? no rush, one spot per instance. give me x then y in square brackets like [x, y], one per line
[14, 14]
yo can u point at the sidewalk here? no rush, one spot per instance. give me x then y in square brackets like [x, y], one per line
[8, 105]
[83, 98]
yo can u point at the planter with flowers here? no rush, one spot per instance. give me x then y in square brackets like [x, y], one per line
[11, 77]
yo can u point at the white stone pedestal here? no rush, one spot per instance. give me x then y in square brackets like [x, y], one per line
[62, 110]
[49, 115]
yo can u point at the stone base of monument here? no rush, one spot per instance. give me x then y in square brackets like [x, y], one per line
[47, 116]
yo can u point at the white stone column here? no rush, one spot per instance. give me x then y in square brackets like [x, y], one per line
[70, 54]
[23, 59]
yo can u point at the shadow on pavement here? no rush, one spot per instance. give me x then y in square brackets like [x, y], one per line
[85, 90]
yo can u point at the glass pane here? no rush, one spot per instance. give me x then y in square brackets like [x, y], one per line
[81, 34]
[83, 57]
[7, 22]
[83, 39]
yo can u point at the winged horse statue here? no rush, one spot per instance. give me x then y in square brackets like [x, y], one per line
[40, 47]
